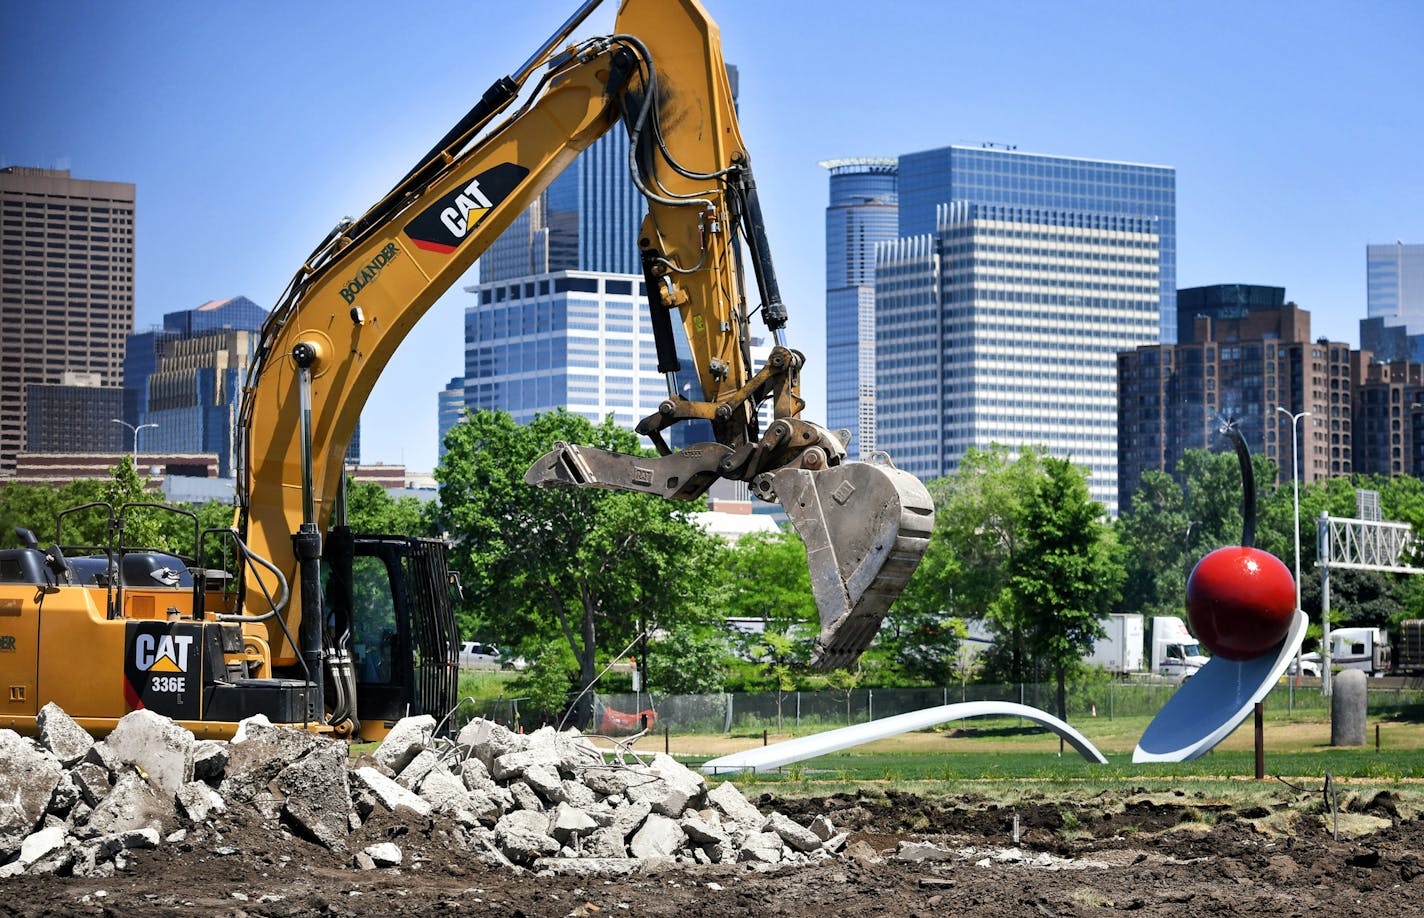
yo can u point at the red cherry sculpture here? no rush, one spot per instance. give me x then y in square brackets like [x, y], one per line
[1240, 600]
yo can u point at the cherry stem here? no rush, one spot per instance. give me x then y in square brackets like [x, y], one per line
[1248, 484]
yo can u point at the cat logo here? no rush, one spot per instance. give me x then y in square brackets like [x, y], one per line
[448, 221]
[162, 653]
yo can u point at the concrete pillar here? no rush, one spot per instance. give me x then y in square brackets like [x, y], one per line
[1347, 709]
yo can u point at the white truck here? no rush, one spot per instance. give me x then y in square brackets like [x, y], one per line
[1119, 651]
[1174, 653]
[1355, 648]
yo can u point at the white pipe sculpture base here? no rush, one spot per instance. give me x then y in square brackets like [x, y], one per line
[1214, 702]
[767, 758]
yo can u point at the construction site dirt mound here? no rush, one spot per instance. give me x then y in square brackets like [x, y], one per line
[1125, 851]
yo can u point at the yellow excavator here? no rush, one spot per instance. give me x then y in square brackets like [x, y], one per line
[311, 624]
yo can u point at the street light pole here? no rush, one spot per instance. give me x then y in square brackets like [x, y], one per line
[1295, 483]
[135, 436]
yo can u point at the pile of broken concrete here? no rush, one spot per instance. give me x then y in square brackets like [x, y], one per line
[548, 800]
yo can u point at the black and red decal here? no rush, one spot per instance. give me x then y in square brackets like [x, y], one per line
[445, 224]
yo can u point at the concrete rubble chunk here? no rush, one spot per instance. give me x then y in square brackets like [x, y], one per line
[607, 780]
[579, 795]
[38, 844]
[66, 795]
[668, 785]
[28, 774]
[447, 794]
[793, 833]
[318, 794]
[627, 818]
[525, 798]
[415, 771]
[546, 782]
[728, 800]
[659, 836]
[761, 848]
[133, 803]
[264, 751]
[385, 854]
[835, 843]
[198, 801]
[406, 740]
[475, 774]
[923, 851]
[247, 723]
[863, 852]
[823, 828]
[92, 780]
[209, 760]
[523, 836]
[157, 746]
[139, 838]
[390, 794]
[604, 842]
[512, 765]
[61, 735]
[488, 740]
[569, 822]
[709, 837]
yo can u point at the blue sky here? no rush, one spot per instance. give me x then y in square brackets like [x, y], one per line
[250, 129]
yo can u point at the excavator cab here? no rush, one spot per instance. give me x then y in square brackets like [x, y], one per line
[392, 643]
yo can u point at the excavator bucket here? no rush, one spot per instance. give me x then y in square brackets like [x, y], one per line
[866, 525]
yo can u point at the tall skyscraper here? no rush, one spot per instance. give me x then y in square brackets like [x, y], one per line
[862, 213]
[1394, 329]
[187, 377]
[993, 175]
[66, 289]
[1004, 327]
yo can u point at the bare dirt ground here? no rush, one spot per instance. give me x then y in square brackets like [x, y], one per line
[1126, 851]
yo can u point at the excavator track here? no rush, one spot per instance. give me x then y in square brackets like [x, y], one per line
[866, 526]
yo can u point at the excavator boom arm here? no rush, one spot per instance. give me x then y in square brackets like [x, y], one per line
[353, 302]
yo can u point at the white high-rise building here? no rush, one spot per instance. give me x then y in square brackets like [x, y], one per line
[579, 340]
[1004, 327]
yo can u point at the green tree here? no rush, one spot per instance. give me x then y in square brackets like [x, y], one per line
[688, 661]
[767, 579]
[1212, 501]
[545, 686]
[586, 564]
[371, 510]
[779, 655]
[1064, 578]
[979, 517]
[1153, 534]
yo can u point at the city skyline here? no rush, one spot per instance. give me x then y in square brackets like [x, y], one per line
[1282, 122]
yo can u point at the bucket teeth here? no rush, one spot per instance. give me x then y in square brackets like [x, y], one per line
[866, 525]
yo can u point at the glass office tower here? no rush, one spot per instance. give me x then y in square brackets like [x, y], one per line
[1003, 327]
[1394, 329]
[862, 213]
[994, 175]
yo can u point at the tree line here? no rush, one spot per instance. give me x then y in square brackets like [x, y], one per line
[573, 578]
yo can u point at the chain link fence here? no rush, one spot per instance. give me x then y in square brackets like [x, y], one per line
[790, 711]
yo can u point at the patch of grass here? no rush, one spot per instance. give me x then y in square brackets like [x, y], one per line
[1085, 895]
